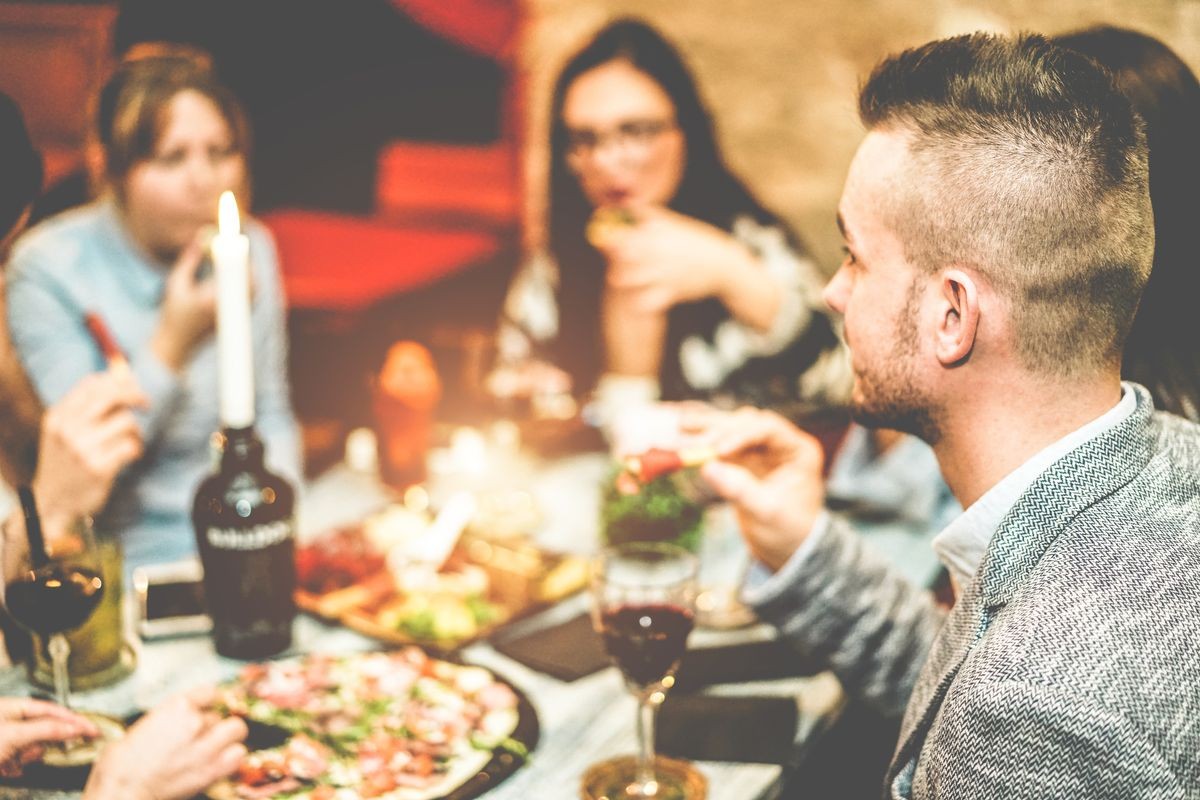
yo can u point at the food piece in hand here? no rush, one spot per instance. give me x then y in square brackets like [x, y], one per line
[104, 339]
[606, 223]
[657, 462]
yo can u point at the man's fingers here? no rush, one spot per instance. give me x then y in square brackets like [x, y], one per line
[699, 419]
[735, 484]
[751, 428]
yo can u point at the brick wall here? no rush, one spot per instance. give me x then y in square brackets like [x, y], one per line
[780, 75]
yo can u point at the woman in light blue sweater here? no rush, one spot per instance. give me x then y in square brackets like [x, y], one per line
[173, 140]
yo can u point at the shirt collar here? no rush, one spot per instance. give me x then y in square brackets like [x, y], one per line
[962, 544]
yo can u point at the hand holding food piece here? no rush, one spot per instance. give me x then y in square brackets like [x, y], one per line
[667, 258]
[88, 437]
[770, 470]
[656, 462]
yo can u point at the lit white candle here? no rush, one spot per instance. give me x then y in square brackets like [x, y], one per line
[235, 353]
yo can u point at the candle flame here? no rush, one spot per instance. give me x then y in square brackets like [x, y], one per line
[227, 214]
[469, 451]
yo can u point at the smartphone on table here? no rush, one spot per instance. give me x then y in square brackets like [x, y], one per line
[170, 600]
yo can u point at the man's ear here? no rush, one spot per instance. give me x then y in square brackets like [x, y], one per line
[958, 317]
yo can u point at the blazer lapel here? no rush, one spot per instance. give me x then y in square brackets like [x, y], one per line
[1074, 482]
[963, 627]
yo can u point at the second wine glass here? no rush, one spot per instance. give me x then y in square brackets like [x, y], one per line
[644, 598]
[56, 592]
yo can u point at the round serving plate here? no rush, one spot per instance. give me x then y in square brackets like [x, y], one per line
[503, 763]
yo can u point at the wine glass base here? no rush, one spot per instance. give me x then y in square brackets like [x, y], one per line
[41, 674]
[720, 608]
[616, 779]
[80, 752]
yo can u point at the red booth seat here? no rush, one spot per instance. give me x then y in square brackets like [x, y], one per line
[475, 184]
[342, 262]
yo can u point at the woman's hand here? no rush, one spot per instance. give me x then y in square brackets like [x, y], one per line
[174, 752]
[189, 308]
[26, 726]
[667, 258]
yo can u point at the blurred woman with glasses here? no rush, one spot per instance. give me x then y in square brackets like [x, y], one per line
[664, 277]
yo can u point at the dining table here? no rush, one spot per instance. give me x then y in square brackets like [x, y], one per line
[580, 722]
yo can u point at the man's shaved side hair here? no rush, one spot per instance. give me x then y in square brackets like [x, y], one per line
[1030, 167]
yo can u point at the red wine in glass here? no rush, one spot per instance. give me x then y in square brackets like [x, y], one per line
[57, 593]
[647, 641]
[644, 599]
[55, 598]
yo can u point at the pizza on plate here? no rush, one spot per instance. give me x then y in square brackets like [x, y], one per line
[394, 725]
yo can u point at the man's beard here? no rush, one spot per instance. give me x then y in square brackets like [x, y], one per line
[891, 396]
[899, 409]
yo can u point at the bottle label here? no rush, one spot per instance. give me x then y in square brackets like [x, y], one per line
[258, 537]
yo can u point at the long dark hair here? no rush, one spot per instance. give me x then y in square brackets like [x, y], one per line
[1163, 348]
[707, 191]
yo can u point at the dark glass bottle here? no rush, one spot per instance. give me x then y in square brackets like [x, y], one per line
[245, 528]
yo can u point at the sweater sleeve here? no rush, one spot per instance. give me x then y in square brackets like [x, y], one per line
[848, 607]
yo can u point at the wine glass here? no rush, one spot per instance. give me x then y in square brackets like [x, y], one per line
[644, 596]
[56, 591]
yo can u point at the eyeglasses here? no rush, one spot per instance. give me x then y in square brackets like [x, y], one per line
[632, 141]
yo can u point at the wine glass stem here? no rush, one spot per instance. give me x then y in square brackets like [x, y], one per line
[60, 650]
[645, 729]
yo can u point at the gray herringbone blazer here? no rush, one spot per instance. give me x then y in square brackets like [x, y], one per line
[1070, 667]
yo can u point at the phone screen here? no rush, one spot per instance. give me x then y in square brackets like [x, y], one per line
[174, 599]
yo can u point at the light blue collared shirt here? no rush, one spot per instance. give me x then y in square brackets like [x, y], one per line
[84, 260]
[961, 546]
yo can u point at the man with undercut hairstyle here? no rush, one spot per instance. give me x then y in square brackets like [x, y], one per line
[998, 234]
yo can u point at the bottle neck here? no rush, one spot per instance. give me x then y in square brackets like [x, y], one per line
[242, 448]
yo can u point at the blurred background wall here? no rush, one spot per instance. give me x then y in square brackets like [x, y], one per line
[781, 75]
